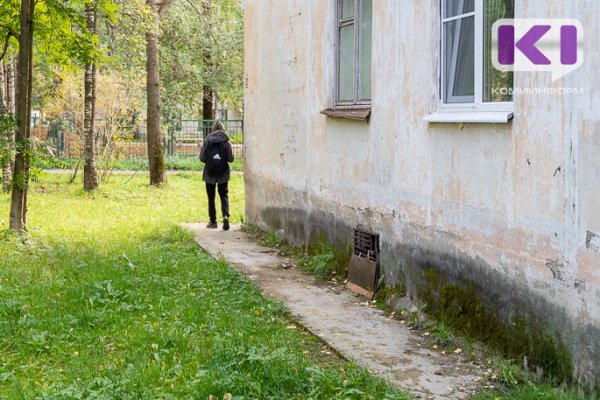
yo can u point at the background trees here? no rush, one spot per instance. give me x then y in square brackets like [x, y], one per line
[202, 49]
[107, 51]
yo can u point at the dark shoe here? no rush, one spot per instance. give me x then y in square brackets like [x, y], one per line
[212, 225]
[225, 224]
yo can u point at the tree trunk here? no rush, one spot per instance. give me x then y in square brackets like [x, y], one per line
[23, 147]
[10, 105]
[158, 173]
[5, 156]
[90, 175]
[3, 108]
[208, 104]
[207, 95]
[10, 86]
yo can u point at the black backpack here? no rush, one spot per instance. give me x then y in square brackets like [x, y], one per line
[216, 158]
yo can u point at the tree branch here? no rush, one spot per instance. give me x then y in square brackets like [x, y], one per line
[164, 6]
[205, 21]
[5, 47]
[11, 32]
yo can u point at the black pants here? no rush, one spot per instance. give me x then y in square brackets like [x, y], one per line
[223, 194]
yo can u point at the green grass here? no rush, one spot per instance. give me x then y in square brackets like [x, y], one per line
[191, 163]
[515, 383]
[530, 392]
[442, 333]
[322, 262]
[109, 299]
[236, 139]
[319, 259]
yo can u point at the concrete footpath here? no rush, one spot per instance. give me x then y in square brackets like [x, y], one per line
[347, 322]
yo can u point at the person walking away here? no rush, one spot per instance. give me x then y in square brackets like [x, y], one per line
[216, 154]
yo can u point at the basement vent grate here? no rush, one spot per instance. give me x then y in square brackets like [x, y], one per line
[366, 245]
[363, 271]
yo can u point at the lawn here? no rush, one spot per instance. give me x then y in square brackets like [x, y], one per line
[108, 298]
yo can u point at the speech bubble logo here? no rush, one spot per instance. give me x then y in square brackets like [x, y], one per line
[552, 45]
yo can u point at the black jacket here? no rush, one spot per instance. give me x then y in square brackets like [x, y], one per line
[216, 137]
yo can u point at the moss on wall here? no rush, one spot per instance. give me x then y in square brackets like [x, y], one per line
[523, 334]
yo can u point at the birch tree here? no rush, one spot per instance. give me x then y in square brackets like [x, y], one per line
[8, 29]
[7, 129]
[90, 175]
[8, 164]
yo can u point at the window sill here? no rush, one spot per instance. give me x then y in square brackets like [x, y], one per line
[482, 117]
[355, 114]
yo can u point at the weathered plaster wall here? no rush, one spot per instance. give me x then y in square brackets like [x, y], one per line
[511, 209]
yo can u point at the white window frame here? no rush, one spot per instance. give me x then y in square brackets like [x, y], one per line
[478, 105]
[339, 23]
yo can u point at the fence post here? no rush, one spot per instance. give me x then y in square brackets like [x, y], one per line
[207, 125]
[171, 139]
[60, 139]
[243, 139]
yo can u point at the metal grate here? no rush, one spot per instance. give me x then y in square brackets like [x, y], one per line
[366, 245]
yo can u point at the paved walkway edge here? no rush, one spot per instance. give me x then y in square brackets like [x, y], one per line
[346, 322]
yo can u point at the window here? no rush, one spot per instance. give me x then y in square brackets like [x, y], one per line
[468, 76]
[353, 78]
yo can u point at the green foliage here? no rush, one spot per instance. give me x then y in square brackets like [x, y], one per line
[124, 38]
[188, 36]
[509, 372]
[272, 240]
[61, 34]
[384, 294]
[321, 260]
[442, 333]
[530, 391]
[9, 21]
[7, 129]
[416, 318]
[109, 299]
[321, 265]
[236, 139]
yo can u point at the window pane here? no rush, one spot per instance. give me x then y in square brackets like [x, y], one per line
[347, 9]
[459, 60]
[457, 7]
[364, 78]
[347, 63]
[497, 85]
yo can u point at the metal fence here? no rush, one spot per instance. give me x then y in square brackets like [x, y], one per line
[182, 138]
[186, 137]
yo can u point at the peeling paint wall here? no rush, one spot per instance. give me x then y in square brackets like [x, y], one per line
[519, 200]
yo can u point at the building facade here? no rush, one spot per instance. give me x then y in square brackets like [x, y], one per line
[483, 185]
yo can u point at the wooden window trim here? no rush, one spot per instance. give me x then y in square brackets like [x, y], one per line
[340, 23]
[355, 114]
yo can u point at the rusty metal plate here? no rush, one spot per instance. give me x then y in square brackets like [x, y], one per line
[362, 275]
